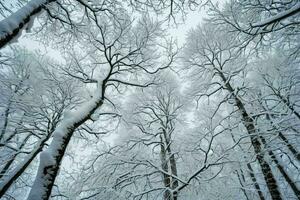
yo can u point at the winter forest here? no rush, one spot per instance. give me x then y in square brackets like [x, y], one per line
[150, 99]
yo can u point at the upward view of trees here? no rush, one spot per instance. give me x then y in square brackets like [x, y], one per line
[99, 100]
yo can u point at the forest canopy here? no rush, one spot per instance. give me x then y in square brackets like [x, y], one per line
[149, 99]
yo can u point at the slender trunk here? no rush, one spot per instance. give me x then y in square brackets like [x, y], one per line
[249, 125]
[6, 114]
[14, 175]
[290, 146]
[254, 181]
[282, 170]
[252, 175]
[283, 138]
[174, 172]
[241, 179]
[173, 166]
[12, 159]
[165, 167]
[287, 103]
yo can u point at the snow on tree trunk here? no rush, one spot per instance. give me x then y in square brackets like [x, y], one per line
[14, 174]
[50, 159]
[12, 26]
[165, 167]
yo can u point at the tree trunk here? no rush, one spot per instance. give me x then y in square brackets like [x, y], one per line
[174, 182]
[282, 170]
[6, 113]
[174, 172]
[283, 138]
[50, 159]
[249, 125]
[254, 181]
[14, 175]
[165, 167]
[252, 175]
[290, 146]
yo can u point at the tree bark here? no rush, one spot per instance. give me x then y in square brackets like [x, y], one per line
[165, 167]
[249, 125]
[254, 181]
[282, 170]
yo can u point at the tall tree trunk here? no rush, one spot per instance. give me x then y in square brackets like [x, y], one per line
[165, 167]
[50, 159]
[254, 181]
[282, 170]
[292, 149]
[174, 182]
[174, 172]
[251, 174]
[249, 125]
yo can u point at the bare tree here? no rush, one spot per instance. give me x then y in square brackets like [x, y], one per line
[210, 55]
[260, 19]
[119, 52]
[29, 117]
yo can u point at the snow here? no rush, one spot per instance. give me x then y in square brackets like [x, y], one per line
[21, 165]
[13, 22]
[295, 8]
[48, 156]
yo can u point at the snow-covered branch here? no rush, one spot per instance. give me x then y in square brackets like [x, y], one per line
[13, 25]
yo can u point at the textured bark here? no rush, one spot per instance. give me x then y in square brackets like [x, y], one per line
[251, 174]
[165, 167]
[249, 125]
[282, 170]
[174, 172]
[254, 181]
[168, 163]
[173, 166]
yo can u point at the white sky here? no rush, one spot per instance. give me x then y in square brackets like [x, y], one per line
[193, 19]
